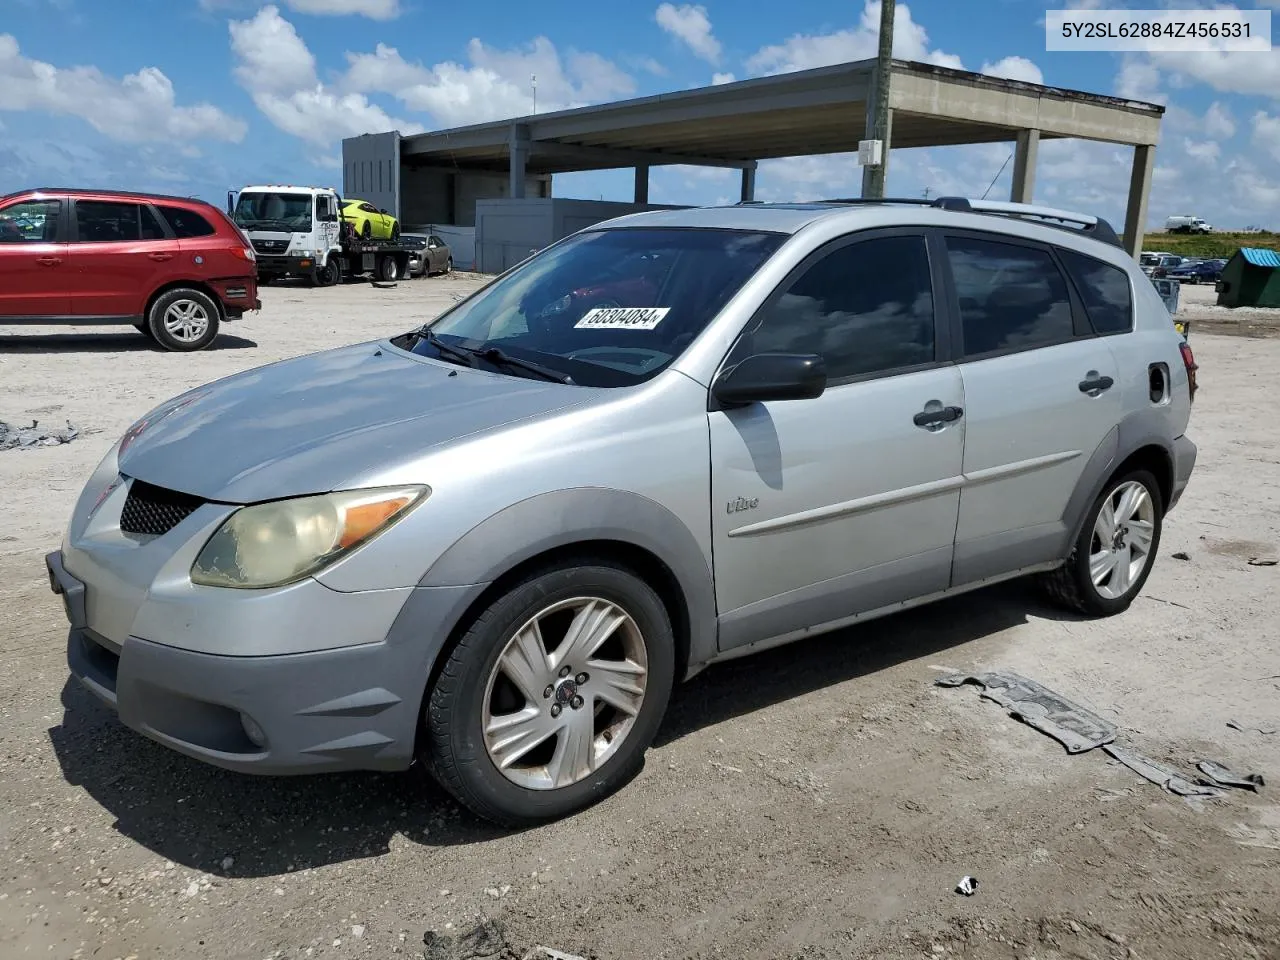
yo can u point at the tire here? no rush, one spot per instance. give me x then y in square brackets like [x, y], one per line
[395, 232]
[388, 269]
[328, 275]
[366, 230]
[1073, 586]
[471, 685]
[448, 267]
[184, 320]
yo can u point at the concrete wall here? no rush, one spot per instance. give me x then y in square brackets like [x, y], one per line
[426, 196]
[508, 231]
[371, 169]
[472, 187]
[461, 241]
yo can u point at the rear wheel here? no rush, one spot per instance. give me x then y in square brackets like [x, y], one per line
[184, 320]
[551, 697]
[366, 230]
[1115, 550]
[388, 269]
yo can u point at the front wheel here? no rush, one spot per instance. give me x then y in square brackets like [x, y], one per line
[388, 269]
[1113, 555]
[395, 232]
[184, 320]
[548, 702]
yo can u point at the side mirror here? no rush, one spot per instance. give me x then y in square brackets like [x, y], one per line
[772, 376]
[231, 201]
[382, 210]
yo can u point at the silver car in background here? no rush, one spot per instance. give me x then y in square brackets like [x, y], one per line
[493, 544]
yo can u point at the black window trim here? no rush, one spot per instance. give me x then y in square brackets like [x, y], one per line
[173, 234]
[73, 227]
[1082, 329]
[942, 324]
[1133, 293]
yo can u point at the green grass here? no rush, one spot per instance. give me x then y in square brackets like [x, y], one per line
[1209, 245]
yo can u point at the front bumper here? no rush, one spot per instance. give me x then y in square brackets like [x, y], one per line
[272, 263]
[345, 708]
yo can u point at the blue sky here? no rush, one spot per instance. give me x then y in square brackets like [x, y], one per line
[200, 96]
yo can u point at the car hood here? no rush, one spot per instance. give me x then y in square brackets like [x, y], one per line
[316, 423]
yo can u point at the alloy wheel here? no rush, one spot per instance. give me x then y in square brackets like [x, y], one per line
[186, 321]
[1122, 536]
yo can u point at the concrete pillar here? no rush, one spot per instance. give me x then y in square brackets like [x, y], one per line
[1135, 216]
[642, 183]
[1024, 166]
[519, 158]
[748, 183]
[869, 173]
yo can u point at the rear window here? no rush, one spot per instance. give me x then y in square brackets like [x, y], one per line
[187, 223]
[1105, 290]
[609, 307]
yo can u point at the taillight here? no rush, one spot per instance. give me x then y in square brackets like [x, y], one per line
[1189, 361]
[245, 253]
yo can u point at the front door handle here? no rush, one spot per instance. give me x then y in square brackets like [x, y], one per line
[160, 257]
[48, 261]
[1093, 384]
[933, 418]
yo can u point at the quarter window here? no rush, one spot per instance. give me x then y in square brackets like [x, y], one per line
[34, 221]
[1105, 290]
[187, 223]
[865, 308]
[100, 221]
[1011, 297]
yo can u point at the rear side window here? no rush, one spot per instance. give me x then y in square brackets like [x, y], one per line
[865, 308]
[103, 221]
[33, 221]
[1105, 290]
[1011, 297]
[187, 223]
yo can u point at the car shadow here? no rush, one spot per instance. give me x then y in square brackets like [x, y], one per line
[131, 342]
[197, 815]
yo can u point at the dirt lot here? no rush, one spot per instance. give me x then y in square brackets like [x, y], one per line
[1198, 303]
[820, 801]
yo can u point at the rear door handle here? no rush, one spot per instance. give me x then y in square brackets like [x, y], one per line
[160, 257]
[1093, 384]
[48, 261]
[932, 418]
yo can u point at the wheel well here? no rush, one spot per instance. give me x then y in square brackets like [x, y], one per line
[184, 285]
[639, 561]
[1156, 460]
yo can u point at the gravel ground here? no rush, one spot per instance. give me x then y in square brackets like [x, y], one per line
[1198, 302]
[819, 801]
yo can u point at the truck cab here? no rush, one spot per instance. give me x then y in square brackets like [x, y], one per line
[295, 231]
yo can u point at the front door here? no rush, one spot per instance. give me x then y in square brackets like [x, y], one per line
[1041, 393]
[120, 253]
[830, 507]
[33, 261]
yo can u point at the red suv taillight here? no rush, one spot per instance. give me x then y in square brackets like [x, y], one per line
[1189, 361]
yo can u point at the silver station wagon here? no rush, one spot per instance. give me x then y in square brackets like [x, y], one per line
[493, 544]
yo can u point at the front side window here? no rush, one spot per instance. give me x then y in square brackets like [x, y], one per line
[107, 221]
[865, 308]
[1011, 297]
[32, 221]
[1104, 288]
[287, 212]
[609, 307]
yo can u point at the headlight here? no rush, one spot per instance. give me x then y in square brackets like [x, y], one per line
[272, 544]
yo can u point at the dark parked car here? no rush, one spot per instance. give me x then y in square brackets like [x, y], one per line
[174, 267]
[1201, 271]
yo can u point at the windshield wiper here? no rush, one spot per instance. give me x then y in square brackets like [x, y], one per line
[495, 355]
[459, 354]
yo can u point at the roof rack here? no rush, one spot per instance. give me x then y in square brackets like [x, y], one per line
[1091, 226]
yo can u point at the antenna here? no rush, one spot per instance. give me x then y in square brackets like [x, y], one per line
[533, 82]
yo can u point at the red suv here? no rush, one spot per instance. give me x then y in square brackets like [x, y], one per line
[174, 267]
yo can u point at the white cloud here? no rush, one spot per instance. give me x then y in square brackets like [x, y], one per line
[1202, 151]
[278, 70]
[719, 78]
[804, 51]
[1266, 133]
[138, 107]
[650, 65]
[495, 85]
[691, 25]
[1139, 79]
[373, 9]
[1218, 121]
[1014, 68]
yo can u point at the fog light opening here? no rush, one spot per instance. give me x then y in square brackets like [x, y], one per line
[253, 731]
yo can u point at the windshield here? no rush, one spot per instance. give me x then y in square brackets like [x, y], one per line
[274, 211]
[608, 307]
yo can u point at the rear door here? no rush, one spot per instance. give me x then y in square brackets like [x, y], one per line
[830, 507]
[120, 253]
[1041, 394]
[33, 259]
[437, 253]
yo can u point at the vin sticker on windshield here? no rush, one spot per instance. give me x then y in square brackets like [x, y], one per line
[622, 318]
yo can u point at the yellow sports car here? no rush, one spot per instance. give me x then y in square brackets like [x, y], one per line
[368, 222]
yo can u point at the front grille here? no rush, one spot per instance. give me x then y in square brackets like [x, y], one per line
[271, 246]
[154, 510]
